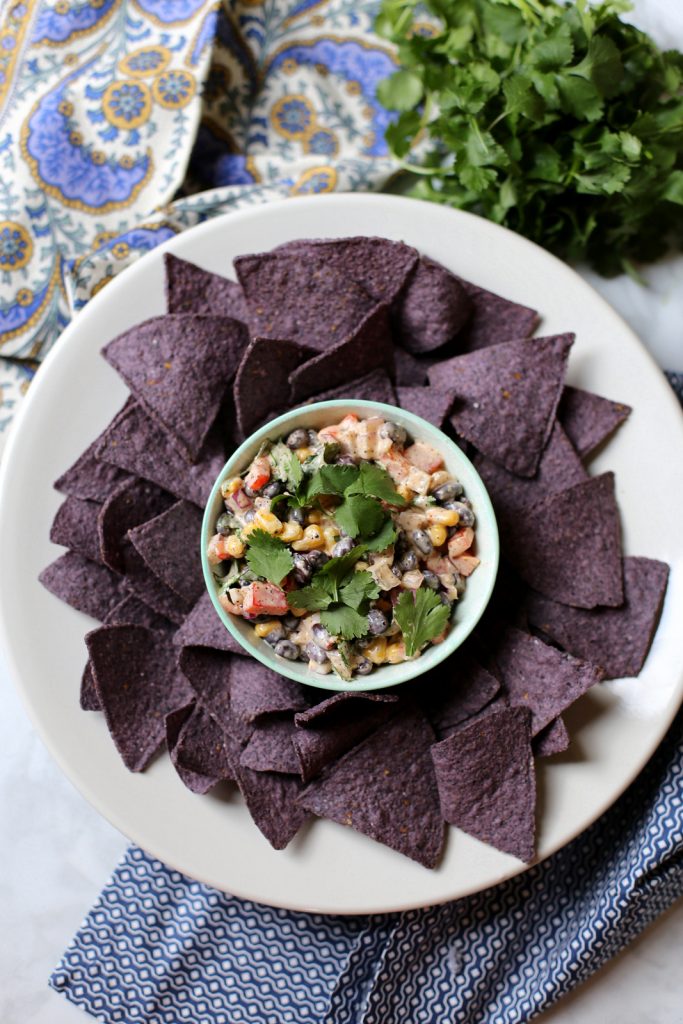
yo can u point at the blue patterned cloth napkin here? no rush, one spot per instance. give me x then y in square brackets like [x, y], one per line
[158, 948]
[123, 123]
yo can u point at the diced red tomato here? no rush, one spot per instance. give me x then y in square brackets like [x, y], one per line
[465, 564]
[259, 473]
[424, 457]
[264, 599]
[460, 542]
[217, 551]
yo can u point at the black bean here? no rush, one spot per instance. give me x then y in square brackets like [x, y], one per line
[396, 434]
[464, 511]
[408, 561]
[297, 515]
[444, 599]
[431, 579]
[312, 437]
[422, 542]
[302, 569]
[460, 584]
[272, 489]
[345, 460]
[317, 559]
[448, 491]
[249, 515]
[249, 491]
[321, 637]
[298, 438]
[315, 653]
[343, 546]
[224, 524]
[286, 649]
[277, 633]
[290, 622]
[377, 621]
[364, 667]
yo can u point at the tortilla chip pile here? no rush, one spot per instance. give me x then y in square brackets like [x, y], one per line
[350, 318]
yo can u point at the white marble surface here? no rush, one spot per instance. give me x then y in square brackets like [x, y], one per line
[56, 852]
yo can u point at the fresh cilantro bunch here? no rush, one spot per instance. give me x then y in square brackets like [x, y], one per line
[421, 616]
[559, 121]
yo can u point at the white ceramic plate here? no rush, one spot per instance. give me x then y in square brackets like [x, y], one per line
[329, 868]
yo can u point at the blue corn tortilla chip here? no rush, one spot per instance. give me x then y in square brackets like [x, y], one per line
[373, 387]
[539, 677]
[198, 748]
[410, 372]
[141, 582]
[89, 478]
[130, 611]
[86, 585]
[327, 730]
[255, 690]
[560, 467]
[75, 527]
[589, 419]
[189, 289]
[380, 266]
[617, 639]
[270, 747]
[261, 386]
[554, 739]
[486, 781]
[506, 397]
[178, 369]
[568, 546]
[370, 347]
[431, 404]
[132, 503]
[208, 673]
[494, 319]
[303, 300]
[138, 685]
[272, 800]
[433, 308]
[135, 443]
[385, 788]
[464, 688]
[169, 544]
[203, 628]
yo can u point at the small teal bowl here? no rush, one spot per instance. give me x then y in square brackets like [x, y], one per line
[467, 611]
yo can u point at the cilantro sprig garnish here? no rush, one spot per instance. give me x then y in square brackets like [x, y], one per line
[421, 617]
[268, 557]
[341, 594]
[558, 120]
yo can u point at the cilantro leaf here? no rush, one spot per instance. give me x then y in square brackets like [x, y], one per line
[421, 616]
[324, 588]
[385, 536]
[360, 588]
[340, 620]
[313, 598]
[374, 481]
[268, 557]
[359, 515]
[331, 480]
[286, 466]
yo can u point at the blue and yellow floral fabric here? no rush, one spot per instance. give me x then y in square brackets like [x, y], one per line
[123, 122]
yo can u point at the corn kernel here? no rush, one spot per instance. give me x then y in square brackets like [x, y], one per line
[234, 547]
[331, 535]
[315, 516]
[262, 629]
[406, 492]
[248, 528]
[267, 521]
[444, 516]
[291, 531]
[440, 477]
[396, 653]
[304, 453]
[376, 650]
[312, 539]
[438, 534]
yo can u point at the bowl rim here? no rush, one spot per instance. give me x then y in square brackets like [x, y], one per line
[411, 669]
